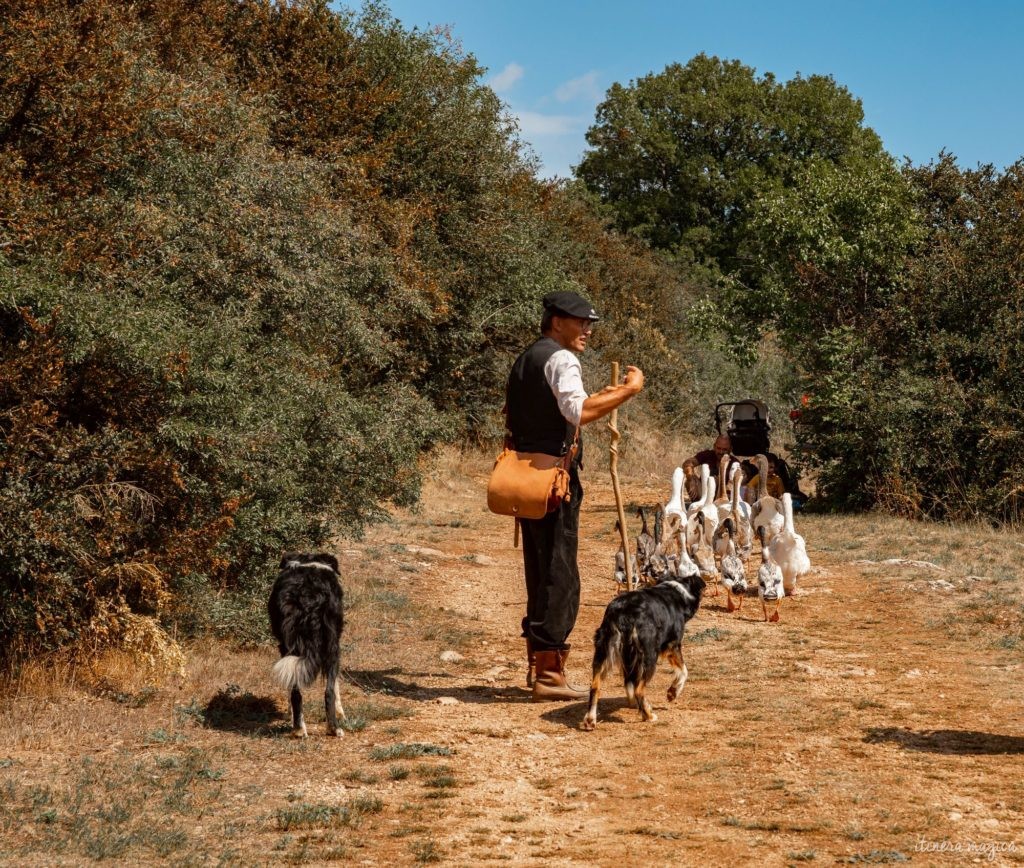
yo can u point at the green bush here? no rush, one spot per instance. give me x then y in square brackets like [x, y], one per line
[258, 258]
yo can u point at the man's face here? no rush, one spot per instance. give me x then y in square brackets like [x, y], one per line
[572, 332]
[722, 446]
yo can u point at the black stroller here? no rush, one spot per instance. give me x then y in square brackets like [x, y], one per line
[747, 426]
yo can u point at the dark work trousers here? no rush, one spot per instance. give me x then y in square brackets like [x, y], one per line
[552, 574]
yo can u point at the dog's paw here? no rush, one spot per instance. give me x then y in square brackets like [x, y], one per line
[335, 733]
[672, 694]
[299, 733]
[589, 724]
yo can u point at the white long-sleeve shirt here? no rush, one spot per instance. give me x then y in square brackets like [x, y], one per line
[565, 376]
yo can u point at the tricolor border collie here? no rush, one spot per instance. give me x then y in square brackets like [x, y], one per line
[639, 629]
[307, 617]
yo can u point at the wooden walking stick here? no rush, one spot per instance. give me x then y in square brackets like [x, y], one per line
[614, 464]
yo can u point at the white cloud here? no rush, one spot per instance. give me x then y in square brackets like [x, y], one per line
[506, 78]
[556, 139]
[583, 87]
[537, 124]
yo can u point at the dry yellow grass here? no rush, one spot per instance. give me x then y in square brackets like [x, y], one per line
[882, 715]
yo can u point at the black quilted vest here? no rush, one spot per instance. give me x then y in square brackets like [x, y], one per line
[532, 413]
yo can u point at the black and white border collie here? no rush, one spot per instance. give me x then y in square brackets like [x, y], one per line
[307, 617]
[639, 629]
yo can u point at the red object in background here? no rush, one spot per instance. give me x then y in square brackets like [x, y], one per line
[805, 400]
[795, 414]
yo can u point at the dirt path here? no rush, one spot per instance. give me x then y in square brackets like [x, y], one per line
[856, 729]
[879, 721]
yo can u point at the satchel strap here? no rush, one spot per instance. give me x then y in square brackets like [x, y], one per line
[572, 450]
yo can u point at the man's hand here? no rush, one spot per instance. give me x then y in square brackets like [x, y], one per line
[602, 403]
[634, 379]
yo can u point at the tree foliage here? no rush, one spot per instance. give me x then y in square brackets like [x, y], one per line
[681, 156]
[911, 358]
[895, 294]
[257, 258]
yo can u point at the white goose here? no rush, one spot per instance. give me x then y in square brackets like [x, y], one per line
[769, 580]
[740, 515]
[703, 513]
[722, 488]
[676, 504]
[675, 545]
[789, 550]
[728, 505]
[767, 510]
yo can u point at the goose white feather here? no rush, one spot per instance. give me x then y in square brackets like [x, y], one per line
[741, 518]
[789, 550]
[767, 510]
[703, 514]
[675, 504]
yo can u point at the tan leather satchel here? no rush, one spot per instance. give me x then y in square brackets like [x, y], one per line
[529, 484]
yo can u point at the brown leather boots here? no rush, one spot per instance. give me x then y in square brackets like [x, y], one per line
[549, 684]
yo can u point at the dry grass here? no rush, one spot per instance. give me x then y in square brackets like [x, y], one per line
[979, 567]
[105, 761]
[780, 752]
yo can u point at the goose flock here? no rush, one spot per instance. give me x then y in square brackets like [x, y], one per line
[714, 535]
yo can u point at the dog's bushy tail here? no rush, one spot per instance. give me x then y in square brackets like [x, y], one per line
[633, 662]
[607, 648]
[292, 671]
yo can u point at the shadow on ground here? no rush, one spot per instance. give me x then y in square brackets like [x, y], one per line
[233, 711]
[384, 681]
[610, 712]
[951, 741]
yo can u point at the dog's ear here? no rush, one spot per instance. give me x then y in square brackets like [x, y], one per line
[328, 559]
[288, 557]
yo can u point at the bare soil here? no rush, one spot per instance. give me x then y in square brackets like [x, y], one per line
[879, 721]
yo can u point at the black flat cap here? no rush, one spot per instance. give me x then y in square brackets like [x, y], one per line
[570, 304]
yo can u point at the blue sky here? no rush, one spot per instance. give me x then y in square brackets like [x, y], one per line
[930, 75]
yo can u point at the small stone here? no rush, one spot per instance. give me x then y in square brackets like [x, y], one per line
[955, 816]
[447, 700]
[423, 550]
[912, 673]
[451, 656]
[482, 560]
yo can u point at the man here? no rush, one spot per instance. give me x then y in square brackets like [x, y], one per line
[710, 457]
[545, 405]
[713, 456]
